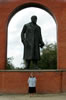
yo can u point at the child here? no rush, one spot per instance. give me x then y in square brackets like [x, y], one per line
[32, 84]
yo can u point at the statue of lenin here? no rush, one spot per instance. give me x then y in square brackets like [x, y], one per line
[32, 41]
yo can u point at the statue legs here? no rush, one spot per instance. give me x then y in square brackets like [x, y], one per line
[35, 64]
[28, 64]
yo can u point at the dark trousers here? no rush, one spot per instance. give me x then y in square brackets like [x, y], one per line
[28, 63]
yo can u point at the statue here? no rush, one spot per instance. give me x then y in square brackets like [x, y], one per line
[32, 41]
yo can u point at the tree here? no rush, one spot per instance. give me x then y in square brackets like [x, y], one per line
[48, 57]
[9, 64]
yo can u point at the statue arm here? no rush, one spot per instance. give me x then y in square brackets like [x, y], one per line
[22, 33]
[41, 43]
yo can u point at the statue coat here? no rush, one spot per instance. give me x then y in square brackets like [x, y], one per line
[32, 39]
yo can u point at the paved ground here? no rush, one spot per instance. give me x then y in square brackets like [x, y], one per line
[61, 96]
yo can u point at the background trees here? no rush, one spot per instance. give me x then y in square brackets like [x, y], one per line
[48, 57]
[9, 64]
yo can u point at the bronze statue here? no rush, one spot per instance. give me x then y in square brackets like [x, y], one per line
[32, 40]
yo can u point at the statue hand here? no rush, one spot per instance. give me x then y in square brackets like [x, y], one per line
[42, 45]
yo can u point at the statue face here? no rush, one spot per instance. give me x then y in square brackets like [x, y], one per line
[34, 20]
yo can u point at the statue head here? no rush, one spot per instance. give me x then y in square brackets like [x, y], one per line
[34, 19]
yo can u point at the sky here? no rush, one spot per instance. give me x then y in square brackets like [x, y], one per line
[15, 47]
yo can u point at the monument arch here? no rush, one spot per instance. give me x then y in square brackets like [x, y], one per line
[32, 6]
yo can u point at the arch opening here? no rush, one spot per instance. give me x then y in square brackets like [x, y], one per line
[20, 16]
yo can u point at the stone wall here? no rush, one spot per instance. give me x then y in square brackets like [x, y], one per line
[47, 81]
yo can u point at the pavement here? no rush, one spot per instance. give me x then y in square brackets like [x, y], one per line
[61, 96]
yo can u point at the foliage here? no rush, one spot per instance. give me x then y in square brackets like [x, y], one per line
[48, 57]
[19, 68]
[9, 64]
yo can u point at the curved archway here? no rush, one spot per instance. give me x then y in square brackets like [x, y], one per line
[26, 5]
[15, 25]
